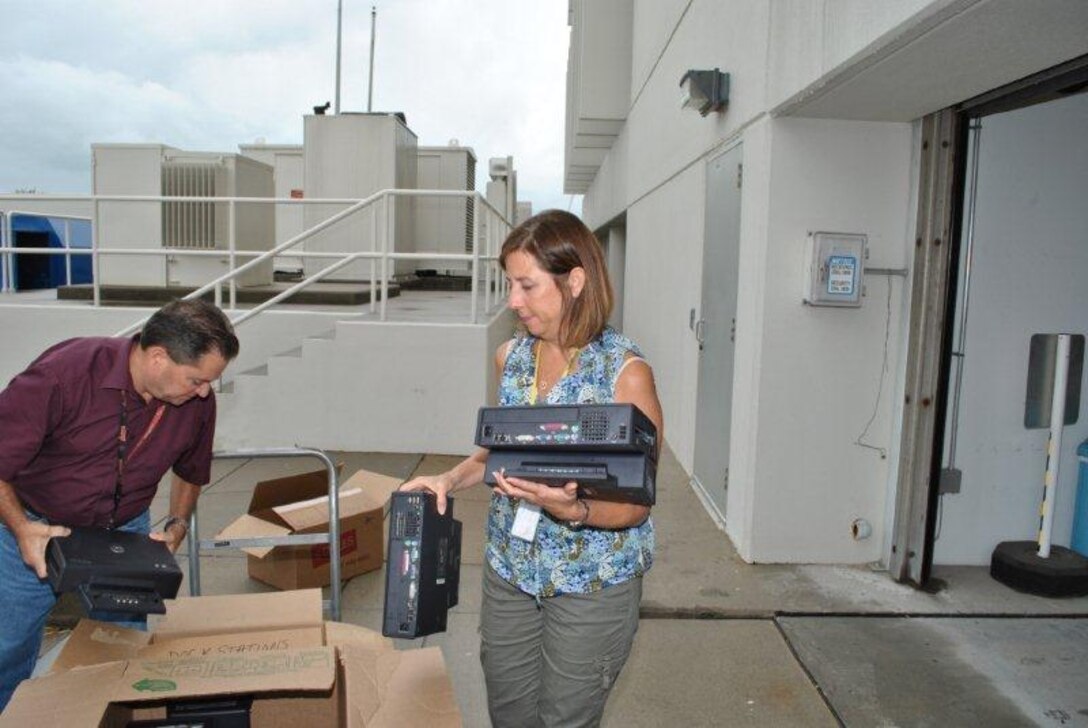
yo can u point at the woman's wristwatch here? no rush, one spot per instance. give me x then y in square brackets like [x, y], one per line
[579, 522]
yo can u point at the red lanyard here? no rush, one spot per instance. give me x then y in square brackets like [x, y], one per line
[122, 448]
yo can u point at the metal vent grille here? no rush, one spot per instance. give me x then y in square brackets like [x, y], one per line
[188, 224]
[470, 213]
[594, 426]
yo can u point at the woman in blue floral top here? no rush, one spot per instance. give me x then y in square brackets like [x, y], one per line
[563, 577]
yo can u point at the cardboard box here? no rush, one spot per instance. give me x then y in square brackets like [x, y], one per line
[273, 647]
[300, 504]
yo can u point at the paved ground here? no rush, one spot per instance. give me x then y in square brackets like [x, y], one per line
[724, 643]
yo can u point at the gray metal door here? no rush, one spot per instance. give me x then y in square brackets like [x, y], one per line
[715, 329]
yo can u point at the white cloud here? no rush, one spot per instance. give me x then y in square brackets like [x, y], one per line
[208, 75]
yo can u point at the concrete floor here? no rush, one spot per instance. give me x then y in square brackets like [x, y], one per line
[724, 643]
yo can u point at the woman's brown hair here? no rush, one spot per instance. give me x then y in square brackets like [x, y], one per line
[560, 242]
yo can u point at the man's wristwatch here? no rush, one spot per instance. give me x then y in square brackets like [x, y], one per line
[579, 522]
[176, 521]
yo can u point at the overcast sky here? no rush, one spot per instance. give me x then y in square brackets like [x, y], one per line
[207, 75]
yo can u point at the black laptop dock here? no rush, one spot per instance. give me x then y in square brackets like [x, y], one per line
[116, 571]
[609, 449]
[424, 565]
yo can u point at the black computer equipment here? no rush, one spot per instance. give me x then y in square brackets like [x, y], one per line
[423, 566]
[567, 428]
[225, 712]
[611, 476]
[117, 571]
[609, 449]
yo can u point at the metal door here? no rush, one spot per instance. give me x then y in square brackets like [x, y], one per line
[715, 330]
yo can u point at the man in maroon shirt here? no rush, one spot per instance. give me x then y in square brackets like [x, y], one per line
[86, 434]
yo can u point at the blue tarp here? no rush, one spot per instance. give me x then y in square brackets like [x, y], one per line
[48, 271]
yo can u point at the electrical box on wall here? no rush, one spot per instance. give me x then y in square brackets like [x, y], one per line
[834, 264]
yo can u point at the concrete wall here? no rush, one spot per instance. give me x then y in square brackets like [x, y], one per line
[370, 387]
[821, 368]
[30, 329]
[812, 38]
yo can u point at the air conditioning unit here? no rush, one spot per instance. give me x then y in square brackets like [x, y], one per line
[499, 167]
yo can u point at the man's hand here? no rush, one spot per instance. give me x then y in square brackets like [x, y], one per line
[33, 537]
[173, 534]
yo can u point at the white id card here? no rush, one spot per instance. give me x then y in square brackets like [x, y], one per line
[525, 521]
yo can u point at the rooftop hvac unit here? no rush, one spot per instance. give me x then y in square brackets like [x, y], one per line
[353, 156]
[499, 167]
[444, 224]
[206, 225]
[179, 225]
[190, 224]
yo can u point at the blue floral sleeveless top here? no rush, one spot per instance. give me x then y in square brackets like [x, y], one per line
[561, 560]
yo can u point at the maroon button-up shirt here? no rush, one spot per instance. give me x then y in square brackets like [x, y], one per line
[59, 422]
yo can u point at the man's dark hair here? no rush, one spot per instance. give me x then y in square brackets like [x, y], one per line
[188, 329]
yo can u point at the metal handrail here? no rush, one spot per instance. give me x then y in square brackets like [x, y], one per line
[331, 537]
[355, 206]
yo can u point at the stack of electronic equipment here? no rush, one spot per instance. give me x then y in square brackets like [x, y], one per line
[116, 571]
[424, 565]
[609, 449]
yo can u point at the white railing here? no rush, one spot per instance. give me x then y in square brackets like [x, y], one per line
[489, 230]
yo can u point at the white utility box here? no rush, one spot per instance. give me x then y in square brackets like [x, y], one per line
[444, 224]
[834, 267]
[353, 156]
[158, 170]
[286, 161]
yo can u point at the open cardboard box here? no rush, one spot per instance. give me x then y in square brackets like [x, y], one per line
[273, 647]
[300, 504]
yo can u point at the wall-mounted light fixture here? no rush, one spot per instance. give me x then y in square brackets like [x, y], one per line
[704, 90]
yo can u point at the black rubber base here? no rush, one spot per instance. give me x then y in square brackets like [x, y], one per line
[1016, 564]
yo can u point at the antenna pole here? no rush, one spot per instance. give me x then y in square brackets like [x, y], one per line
[339, 25]
[370, 83]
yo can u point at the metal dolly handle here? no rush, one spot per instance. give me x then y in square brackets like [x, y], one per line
[332, 537]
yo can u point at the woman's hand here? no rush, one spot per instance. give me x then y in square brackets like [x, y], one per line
[562, 503]
[440, 485]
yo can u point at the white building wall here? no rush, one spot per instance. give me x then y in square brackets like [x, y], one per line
[806, 380]
[370, 387]
[351, 386]
[821, 368]
[661, 285]
[748, 347]
[810, 38]
[664, 139]
[654, 22]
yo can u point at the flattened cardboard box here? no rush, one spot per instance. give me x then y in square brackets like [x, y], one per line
[298, 670]
[300, 504]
